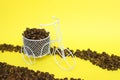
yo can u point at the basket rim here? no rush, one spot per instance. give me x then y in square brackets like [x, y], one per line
[35, 40]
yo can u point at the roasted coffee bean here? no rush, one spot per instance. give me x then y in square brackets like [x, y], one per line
[66, 78]
[79, 79]
[72, 79]
[51, 50]
[56, 78]
[35, 34]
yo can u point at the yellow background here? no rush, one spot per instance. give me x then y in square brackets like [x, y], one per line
[93, 24]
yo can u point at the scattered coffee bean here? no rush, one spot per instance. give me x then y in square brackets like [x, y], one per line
[66, 78]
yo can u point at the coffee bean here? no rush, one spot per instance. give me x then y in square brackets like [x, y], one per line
[56, 78]
[66, 78]
[71, 78]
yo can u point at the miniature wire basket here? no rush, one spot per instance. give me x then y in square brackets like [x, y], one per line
[36, 48]
[39, 48]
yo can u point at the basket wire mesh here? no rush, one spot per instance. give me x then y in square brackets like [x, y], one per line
[37, 47]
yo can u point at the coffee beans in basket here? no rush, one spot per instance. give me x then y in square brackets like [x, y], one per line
[36, 42]
[35, 34]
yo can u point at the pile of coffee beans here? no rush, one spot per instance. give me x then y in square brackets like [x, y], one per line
[10, 48]
[103, 60]
[35, 34]
[9, 72]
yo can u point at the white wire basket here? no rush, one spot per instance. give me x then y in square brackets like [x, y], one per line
[36, 48]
